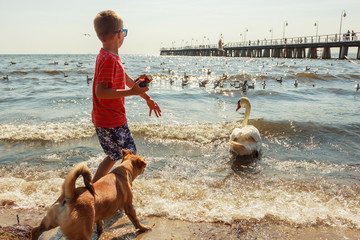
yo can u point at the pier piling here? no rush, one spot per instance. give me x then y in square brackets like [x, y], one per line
[343, 52]
[326, 54]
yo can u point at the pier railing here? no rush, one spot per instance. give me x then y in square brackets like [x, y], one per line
[297, 47]
[330, 38]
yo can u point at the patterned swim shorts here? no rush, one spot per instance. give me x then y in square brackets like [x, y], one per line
[113, 140]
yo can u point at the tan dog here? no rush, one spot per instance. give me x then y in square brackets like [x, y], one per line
[77, 209]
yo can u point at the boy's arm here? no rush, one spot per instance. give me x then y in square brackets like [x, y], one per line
[102, 91]
[153, 106]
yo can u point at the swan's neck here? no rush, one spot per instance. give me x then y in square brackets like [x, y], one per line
[247, 114]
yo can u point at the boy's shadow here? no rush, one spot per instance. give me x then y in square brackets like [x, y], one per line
[108, 227]
[128, 236]
[109, 222]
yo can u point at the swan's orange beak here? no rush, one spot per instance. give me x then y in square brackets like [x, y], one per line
[238, 107]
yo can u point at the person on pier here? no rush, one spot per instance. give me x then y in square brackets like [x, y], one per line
[221, 45]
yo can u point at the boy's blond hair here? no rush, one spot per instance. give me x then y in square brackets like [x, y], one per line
[106, 23]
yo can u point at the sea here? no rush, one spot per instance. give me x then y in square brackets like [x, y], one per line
[308, 172]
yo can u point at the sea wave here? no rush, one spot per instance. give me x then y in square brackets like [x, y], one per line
[203, 197]
[200, 76]
[62, 131]
[47, 131]
[199, 133]
[50, 72]
[238, 198]
[262, 76]
[310, 75]
[19, 72]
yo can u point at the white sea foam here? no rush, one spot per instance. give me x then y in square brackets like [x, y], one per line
[31, 187]
[196, 201]
[180, 190]
[292, 166]
[193, 201]
[62, 131]
[30, 194]
[47, 131]
[199, 133]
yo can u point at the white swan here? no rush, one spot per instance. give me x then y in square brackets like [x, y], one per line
[246, 140]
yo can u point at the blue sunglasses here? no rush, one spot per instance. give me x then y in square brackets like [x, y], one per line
[124, 31]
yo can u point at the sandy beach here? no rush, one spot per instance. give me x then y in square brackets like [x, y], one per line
[119, 227]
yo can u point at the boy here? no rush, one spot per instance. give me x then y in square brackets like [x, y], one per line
[108, 114]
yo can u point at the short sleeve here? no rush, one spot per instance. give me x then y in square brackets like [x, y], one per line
[106, 71]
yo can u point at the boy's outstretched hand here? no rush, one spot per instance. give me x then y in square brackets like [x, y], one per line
[153, 107]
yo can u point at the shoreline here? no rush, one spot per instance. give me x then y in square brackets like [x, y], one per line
[119, 227]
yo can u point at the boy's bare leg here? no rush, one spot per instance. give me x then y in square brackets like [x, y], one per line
[104, 167]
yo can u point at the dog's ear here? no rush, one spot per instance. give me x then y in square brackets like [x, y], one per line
[140, 163]
[125, 152]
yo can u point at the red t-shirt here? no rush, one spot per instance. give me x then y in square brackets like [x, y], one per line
[109, 113]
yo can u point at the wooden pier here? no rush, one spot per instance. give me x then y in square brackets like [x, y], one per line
[300, 47]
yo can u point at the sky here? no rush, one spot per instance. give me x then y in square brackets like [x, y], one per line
[57, 27]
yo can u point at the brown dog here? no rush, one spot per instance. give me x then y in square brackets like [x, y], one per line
[77, 209]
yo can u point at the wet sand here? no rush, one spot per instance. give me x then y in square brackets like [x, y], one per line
[119, 227]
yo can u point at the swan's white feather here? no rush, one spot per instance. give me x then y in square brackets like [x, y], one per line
[245, 141]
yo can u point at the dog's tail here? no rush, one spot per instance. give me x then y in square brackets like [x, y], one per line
[69, 183]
